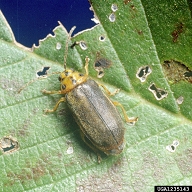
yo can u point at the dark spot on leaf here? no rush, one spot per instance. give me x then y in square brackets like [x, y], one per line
[110, 180]
[23, 130]
[179, 28]
[100, 64]
[132, 7]
[150, 162]
[140, 32]
[184, 162]
[30, 172]
[10, 85]
[103, 63]
[34, 169]
[126, 1]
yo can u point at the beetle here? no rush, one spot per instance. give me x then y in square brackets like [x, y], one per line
[100, 123]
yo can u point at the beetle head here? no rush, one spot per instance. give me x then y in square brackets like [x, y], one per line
[70, 79]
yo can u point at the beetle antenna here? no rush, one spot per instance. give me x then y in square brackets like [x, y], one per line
[35, 79]
[66, 47]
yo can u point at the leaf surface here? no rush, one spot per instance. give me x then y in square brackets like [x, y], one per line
[144, 39]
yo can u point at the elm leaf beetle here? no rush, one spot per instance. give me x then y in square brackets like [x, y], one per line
[101, 126]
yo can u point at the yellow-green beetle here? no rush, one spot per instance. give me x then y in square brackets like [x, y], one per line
[101, 126]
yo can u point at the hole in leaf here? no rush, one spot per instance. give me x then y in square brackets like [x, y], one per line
[180, 100]
[112, 17]
[157, 92]
[114, 7]
[176, 71]
[42, 72]
[175, 143]
[9, 144]
[143, 72]
[58, 46]
[83, 45]
[100, 74]
[102, 38]
[70, 150]
[173, 146]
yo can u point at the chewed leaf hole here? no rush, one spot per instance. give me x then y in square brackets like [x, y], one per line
[176, 71]
[114, 7]
[9, 144]
[173, 146]
[100, 74]
[112, 17]
[83, 45]
[180, 100]
[58, 46]
[42, 72]
[157, 92]
[102, 38]
[70, 150]
[143, 72]
[188, 74]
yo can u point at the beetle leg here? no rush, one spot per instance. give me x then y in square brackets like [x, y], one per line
[107, 91]
[124, 113]
[84, 138]
[86, 65]
[56, 106]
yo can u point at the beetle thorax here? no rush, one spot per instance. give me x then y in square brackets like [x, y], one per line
[70, 79]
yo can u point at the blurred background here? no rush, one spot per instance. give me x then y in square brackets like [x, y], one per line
[32, 20]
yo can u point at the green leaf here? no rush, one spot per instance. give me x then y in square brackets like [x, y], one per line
[145, 38]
